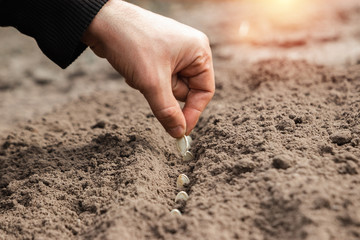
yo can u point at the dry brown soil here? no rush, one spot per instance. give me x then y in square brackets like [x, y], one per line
[277, 152]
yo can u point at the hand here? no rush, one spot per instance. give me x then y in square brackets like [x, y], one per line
[164, 59]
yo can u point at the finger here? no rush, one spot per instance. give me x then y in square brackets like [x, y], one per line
[180, 88]
[165, 108]
[202, 87]
[195, 104]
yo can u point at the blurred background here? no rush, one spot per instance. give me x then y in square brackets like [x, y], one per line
[241, 32]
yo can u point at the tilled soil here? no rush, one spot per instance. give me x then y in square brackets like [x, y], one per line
[277, 156]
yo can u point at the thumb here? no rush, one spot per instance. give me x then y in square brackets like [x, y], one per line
[166, 108]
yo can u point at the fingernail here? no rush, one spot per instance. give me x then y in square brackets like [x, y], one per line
[178, 131]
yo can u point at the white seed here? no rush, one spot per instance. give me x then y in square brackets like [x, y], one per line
[189, 140]
[188, 156]
[182, 196]
[175, 212]
[182, 180]
[182, 144]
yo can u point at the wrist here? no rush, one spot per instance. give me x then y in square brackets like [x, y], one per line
[116, 18]
[97, 29]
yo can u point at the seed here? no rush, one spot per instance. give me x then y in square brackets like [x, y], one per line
[182, 196]
[175, 212]
[188, 156]
[189, 140]
[182, 180]
[182, 144]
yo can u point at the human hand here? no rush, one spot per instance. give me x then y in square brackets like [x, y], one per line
[164, 59]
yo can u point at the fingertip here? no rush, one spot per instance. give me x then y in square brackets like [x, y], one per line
[192, 116]
[177, 132]
[172, 119]
[188, 131]
[167, 109]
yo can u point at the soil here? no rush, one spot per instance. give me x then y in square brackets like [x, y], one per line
[277, 151]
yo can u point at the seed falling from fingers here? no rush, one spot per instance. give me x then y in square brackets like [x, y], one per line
[182, 196]
[182, 145]
[189, 140]
[182, 181]
[175, 212]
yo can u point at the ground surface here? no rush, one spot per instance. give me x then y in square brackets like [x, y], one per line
[277, 152]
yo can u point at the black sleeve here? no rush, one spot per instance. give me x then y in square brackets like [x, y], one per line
[56, 25]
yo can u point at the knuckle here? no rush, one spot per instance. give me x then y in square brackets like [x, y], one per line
[204, 56]
[203, 60]
[211, 93]
[166, 114]
[207, 96]
[203, 38]
[200, 38]
[207, 66]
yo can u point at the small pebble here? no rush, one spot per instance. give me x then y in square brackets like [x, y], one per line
[341, 137]
[100, 124]
[282, 162]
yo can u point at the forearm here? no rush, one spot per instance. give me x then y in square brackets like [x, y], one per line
[56, 25]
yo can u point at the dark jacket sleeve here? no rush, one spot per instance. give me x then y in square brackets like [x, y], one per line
[56, 25]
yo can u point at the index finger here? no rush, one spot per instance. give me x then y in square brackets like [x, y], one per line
[201, 83]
